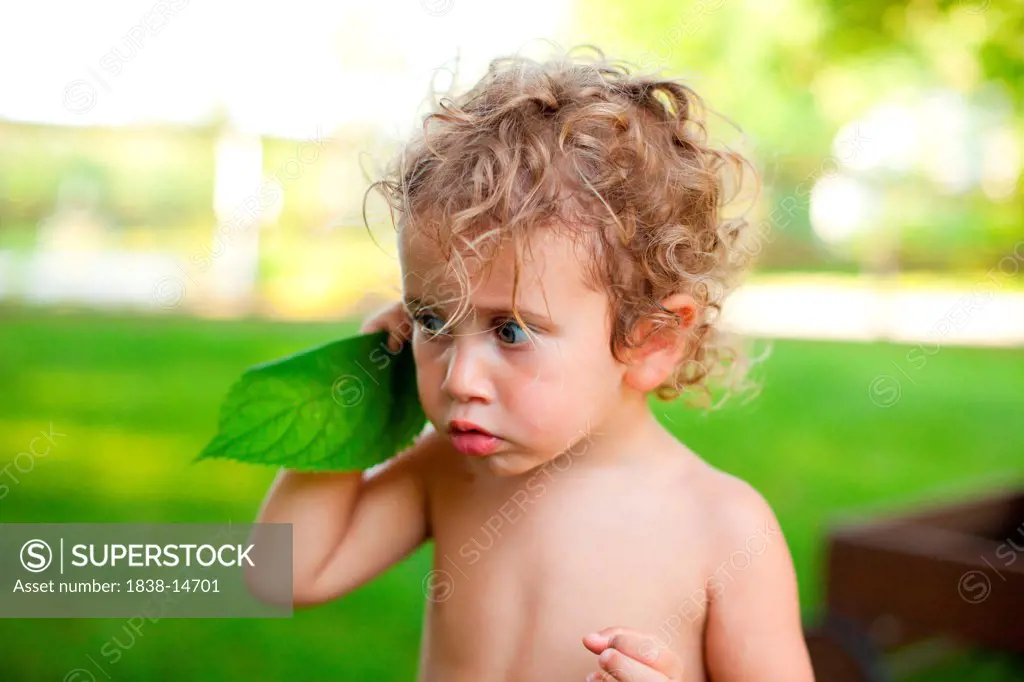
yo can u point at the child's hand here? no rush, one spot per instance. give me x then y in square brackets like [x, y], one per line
[629, 656]
[393, 319]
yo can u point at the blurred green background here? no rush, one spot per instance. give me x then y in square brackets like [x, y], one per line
[889, 136]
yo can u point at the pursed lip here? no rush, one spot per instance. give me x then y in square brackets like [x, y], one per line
[462, 426]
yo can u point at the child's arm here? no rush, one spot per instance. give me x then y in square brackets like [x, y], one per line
[348, 527]
[753, 629]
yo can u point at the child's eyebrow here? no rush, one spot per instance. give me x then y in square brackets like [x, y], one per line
[414, 303]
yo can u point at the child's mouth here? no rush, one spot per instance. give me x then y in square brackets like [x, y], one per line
[472, 442]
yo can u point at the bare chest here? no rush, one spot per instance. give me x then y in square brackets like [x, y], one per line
[521, 574]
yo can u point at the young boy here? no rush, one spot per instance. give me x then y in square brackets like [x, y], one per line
[563, 253]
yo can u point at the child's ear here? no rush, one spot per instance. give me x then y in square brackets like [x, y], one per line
[662, 345]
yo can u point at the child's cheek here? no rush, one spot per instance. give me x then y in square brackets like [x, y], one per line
[537, 398]
[429, 376]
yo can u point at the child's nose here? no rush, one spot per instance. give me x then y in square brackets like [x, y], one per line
[466, 378]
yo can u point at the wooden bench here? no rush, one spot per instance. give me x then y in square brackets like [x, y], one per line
[953, 571]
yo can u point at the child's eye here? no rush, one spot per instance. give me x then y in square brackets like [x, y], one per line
[426, 320]
[507, 331]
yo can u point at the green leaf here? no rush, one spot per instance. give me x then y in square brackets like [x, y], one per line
[343, 406]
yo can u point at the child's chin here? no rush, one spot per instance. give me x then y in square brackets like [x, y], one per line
[506, 464]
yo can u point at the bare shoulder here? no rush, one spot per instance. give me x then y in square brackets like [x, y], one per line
[415, 462]
[434, 453]
[433, 460]
[736, 503]
[741, 519]
[410, 473]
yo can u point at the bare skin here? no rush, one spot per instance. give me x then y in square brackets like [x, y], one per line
[531, 563]
[591, 543]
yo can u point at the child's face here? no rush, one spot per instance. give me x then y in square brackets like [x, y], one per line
[539, 396]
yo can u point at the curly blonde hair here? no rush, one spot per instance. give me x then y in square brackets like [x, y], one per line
[618, 159]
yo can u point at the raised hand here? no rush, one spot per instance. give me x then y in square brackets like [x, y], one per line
[393, 319]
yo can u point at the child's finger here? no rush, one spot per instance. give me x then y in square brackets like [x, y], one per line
[638, 646]
[401, 332]
[600, 676]
[622, 668]
[371, 325]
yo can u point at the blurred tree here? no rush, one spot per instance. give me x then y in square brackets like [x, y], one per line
[987, 35]
[792, 74]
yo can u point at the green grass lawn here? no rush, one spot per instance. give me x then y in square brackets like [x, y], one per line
[137, 399]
